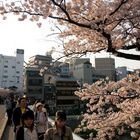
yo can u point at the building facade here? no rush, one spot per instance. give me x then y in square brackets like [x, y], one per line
[62, 91]
[121, 72]
[11, 70]
[40, 60]
[82, 70]
[105, 67]
[33, 83]
[33, 80]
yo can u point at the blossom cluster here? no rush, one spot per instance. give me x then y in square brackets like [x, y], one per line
[112, 109]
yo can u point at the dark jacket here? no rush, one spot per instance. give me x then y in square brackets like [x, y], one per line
[20, 134]
[17, 114]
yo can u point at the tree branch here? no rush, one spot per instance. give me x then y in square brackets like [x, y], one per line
[119, 6]
[126, 55]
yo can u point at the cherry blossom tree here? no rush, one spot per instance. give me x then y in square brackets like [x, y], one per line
[92, 26]
[89, 25]
[4, 92]
[113, 109]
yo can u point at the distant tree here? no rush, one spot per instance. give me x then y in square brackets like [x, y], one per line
[4, 92]
[90, 25]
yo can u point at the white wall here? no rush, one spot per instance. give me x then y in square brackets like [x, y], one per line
[11, 71]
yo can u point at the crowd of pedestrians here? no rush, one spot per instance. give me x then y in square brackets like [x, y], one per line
[32, 124]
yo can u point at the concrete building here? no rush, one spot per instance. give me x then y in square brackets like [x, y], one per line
[50, 97]
[40, 60]
[121, 72]
[76, 61]
[63, 96]
[33, 81]
[106, 67]
[64, 68]
[82, 70]
[11, 70]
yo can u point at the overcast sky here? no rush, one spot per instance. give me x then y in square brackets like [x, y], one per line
[26, 35]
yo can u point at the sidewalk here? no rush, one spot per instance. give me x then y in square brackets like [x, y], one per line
[3, 120]
[8, 133]
[2, 113]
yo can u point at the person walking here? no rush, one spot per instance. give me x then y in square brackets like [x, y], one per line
[60, 131]
[9, 109]
[18, 111]
[41, 120]
[28, 130]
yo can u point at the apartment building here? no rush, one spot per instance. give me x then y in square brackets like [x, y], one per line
[62, 87]
[64, 92]
[76, 61]
[11, 70]
[105, 67]
[82, 70]
[40, 60]
[33, 81]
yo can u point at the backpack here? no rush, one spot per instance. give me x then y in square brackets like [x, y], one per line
[45, 114]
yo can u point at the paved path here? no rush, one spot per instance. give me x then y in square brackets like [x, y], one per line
[8, 133]
[2, 113]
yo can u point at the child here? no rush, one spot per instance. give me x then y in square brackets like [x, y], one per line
[41, 120]
[60, 131]
[27, 131]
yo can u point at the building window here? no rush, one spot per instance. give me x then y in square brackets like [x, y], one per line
[17, 72]
[5, 66]
[18, 62]
[6, 61]
[5, 71]
[17, 79]
[5, 76]
[33, 73]
[13, 67]
[35, 82]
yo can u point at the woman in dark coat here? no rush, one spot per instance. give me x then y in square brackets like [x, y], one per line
[18, 111]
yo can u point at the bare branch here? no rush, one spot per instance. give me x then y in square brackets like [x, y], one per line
[119, 6]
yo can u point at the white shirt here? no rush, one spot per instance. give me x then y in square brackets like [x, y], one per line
[42, 122]
[30, 135]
